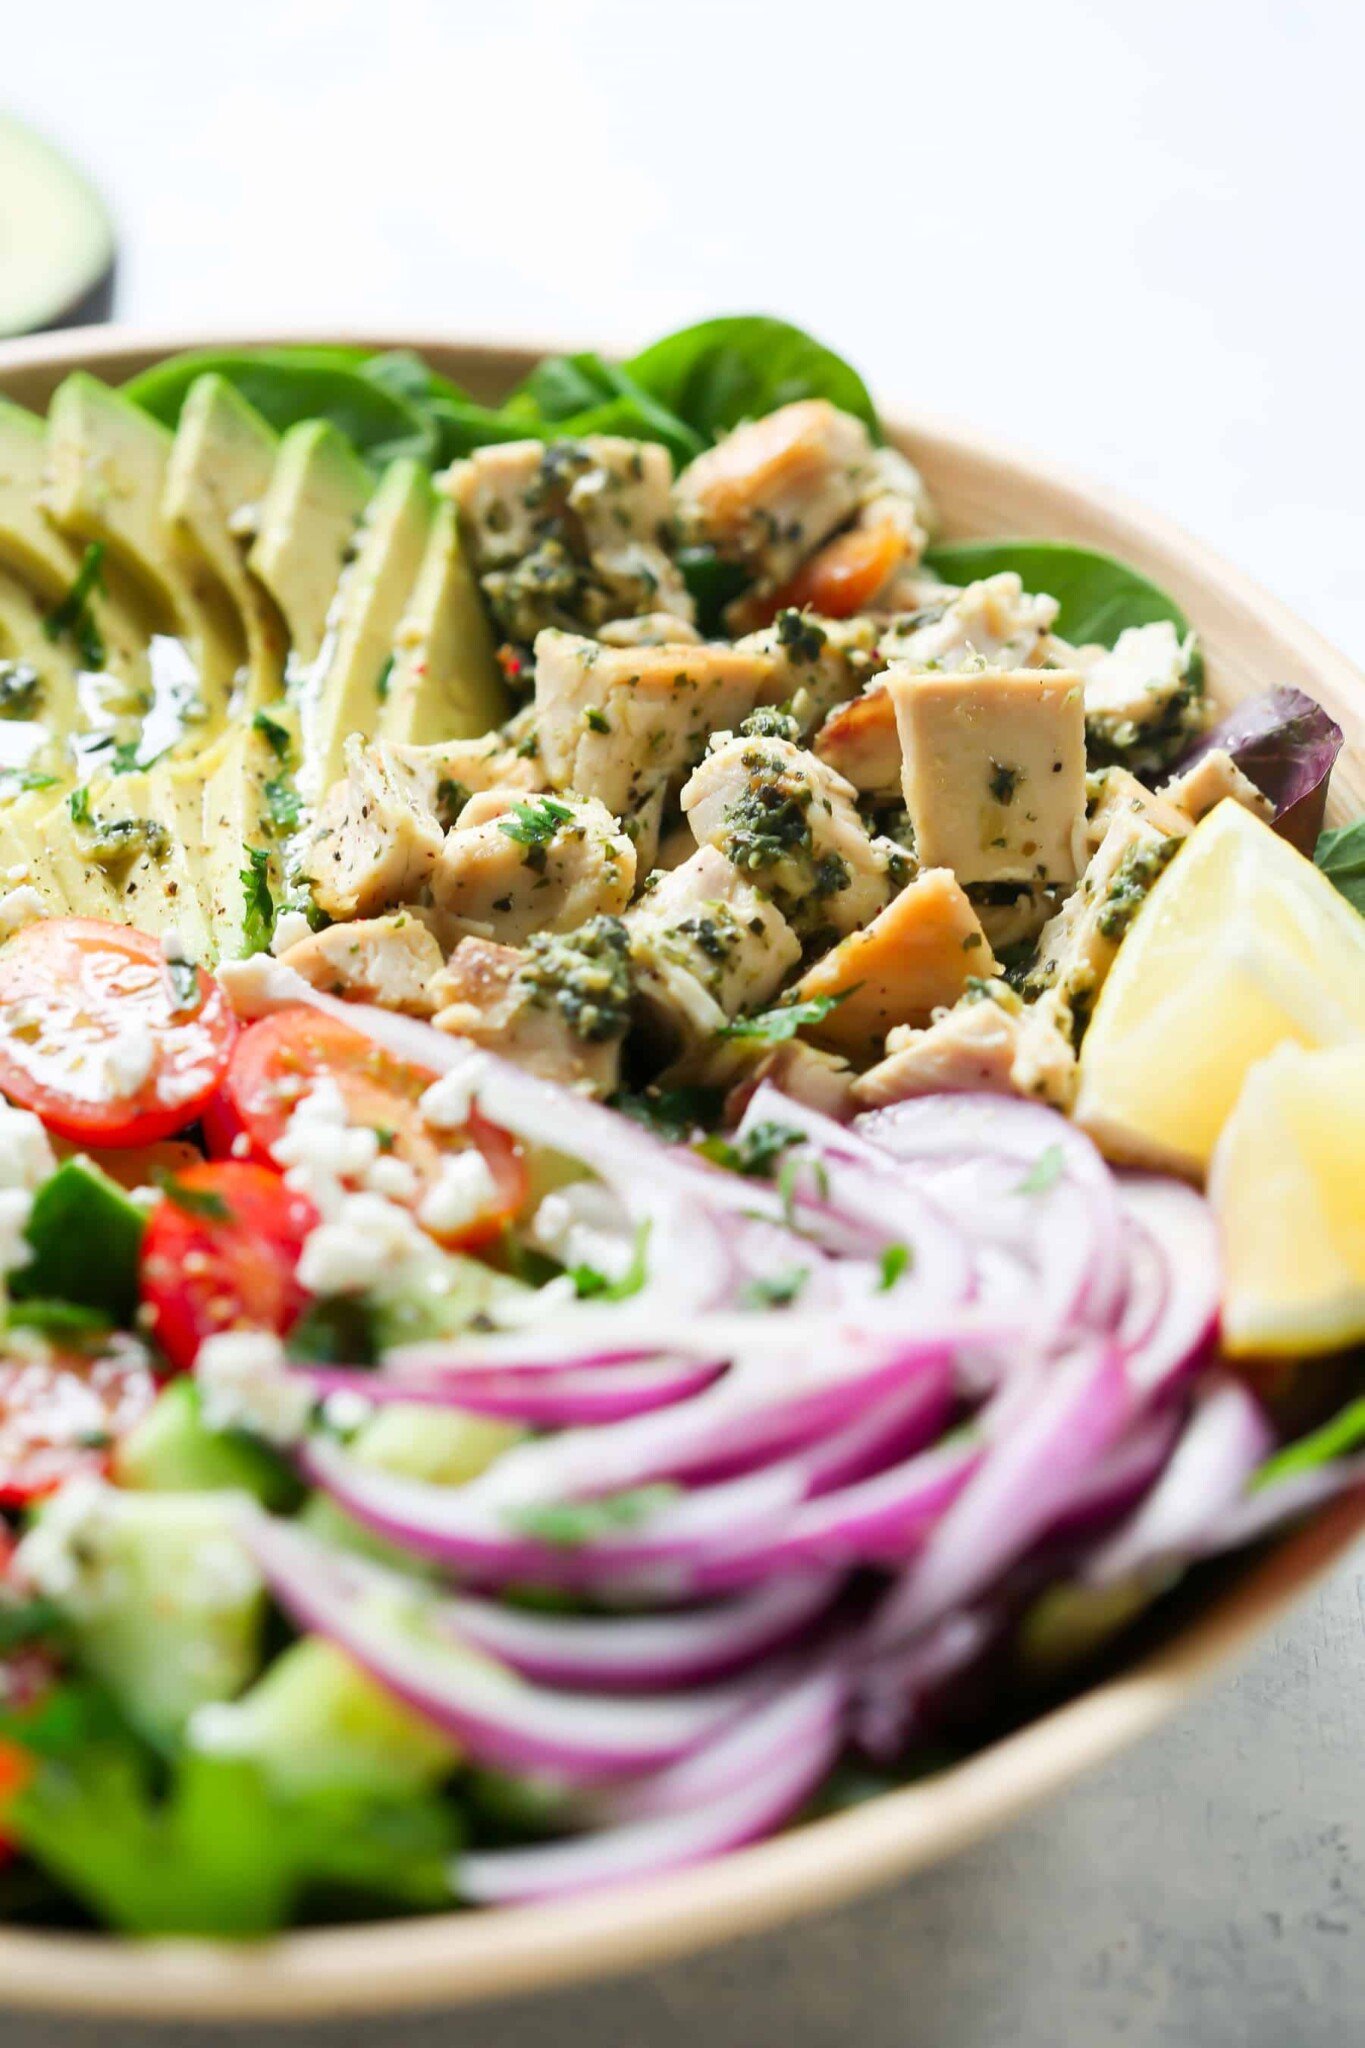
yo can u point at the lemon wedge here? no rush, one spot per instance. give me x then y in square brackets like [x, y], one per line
[1285, 1185]
[1241, 945]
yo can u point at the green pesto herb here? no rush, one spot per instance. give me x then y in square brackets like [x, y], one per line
[770, 722]
[258, 905]
[1132, 884]
[765, 824]
[596, 720]
[1004, 781]
[799, 635]
[586, 974]
[115, 843]
[451, 798]
[72, 617]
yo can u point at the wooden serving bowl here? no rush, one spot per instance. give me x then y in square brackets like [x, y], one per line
[1251, 642]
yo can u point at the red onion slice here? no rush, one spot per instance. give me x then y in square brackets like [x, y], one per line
[543, 1400]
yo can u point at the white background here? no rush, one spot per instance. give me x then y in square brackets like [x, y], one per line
[1128, 232]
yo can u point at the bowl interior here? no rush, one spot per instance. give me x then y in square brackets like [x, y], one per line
[1251, 642]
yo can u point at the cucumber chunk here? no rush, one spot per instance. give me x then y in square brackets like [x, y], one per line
[172, 1451]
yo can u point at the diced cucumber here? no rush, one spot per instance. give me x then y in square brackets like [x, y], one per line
[315, 1721]
[172, 1451]
[86, 1234]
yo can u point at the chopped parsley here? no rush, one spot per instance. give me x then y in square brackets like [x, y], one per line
[595, 720]
[774, 1290]
[896, 1261]
[776, 1026]
[385, 677]
[258, 905]
[535, 825]
[275, 735]
[78, 803]
[72, 617]
[1045, 1172]
[568, 1524]
[283, 802]
[205, 1202]
[590, 1285]
[20, 689]
[755, 1152]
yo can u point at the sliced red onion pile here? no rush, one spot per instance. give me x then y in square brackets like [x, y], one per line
[807, 1477]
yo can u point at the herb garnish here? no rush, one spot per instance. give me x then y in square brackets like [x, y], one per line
[1045, 1172]
[205, 1202]
[72, 615]
[776, 1026]
[274, 734]
[535, 825]
[590, 1285]
[258, 909]
[20, 689]
[775, 1290]
[284, 803]
[567, 1524]
[896, 1260]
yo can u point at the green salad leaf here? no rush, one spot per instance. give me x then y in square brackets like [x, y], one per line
[1341, 856]
[1099, 597]
[287, 385]
[723, 371]
[216, 1851]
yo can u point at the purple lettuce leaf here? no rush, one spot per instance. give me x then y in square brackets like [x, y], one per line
[1287, 744]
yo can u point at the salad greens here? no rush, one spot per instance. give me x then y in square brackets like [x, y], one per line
[1099, 598]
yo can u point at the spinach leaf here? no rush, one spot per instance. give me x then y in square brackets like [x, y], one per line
[723, 371]
[287, 385]
[1341, 856]
[1098, 596]
[569, 397]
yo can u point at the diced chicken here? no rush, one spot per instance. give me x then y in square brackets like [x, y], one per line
[451, 771]
[623, 724]
[510, 867]
[482, 995]
[993, 772]
[376, 838]
[809, 1074]
[1078, 945]
[704, 931]
[651, 629]
[1215, 776]
[995, 621]
[386, 960]
[1140, 699]
[818, 662]
[915, 957]
[570, 533]
[790, 824]
[773, 489]
[987, 1042]
[1112, 791]
[860, 740]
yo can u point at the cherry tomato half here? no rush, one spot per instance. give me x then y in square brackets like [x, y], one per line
[61, 1411]
[221, 1252]
[278, 1059]
[97, 1039]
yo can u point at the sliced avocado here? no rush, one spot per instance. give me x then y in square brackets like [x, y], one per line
[444, 683]
[107, 464]
[171, 1451]
[152, 883]
[86, 1233]
[36, 716]
[314, 1720]
[161, 1597]
[46, 835]
[46, 561]
[306, 527]
[220, 467]
[238, 825]
[344, 692]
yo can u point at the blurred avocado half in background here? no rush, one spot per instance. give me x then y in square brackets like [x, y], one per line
[56, 238]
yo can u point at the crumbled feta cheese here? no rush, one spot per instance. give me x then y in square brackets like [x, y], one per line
[173, 1089]
[448, 1101]
[392, 1177]
[253, 987]
[359, 1244]
[50, 1559]
[464, 1190]
[321, 1148]
[291, 928]
[19, 907]
[173, 946]
[536, 1305]
[129, 1059]
[16, 1206]
[26, 1156]
[21, 872]
[244, 1383]
[347, 1411]
[585, 1224]
[240, 1147]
